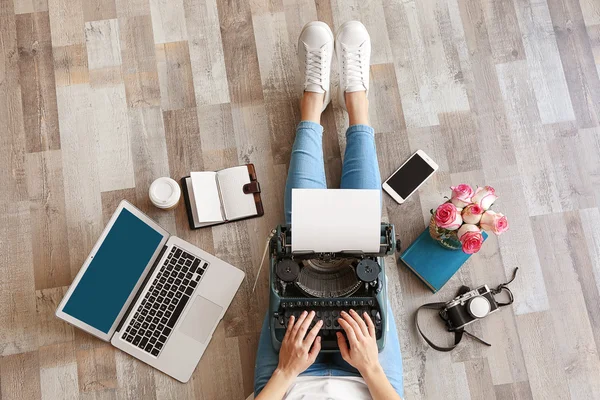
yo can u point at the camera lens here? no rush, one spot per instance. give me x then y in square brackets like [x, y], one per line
[479, 307]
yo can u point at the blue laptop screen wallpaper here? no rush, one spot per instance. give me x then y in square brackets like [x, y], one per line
[113, 272]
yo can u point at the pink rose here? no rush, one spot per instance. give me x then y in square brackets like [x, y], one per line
[471, 238]
[471, 214]
[485, 197]
[461, 195]
[494, 222]
[448, 217]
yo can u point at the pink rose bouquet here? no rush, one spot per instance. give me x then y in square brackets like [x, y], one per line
[459, 222]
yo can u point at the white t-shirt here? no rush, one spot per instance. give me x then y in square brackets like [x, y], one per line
[328, 388]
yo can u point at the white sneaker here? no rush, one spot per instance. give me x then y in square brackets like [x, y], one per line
[353, 49]
[315, 52]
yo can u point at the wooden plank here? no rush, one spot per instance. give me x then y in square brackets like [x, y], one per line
[503, 29]
[246, 315]
[535, 166]
[111, 200]
[541, 351]
[50, 246]
[150, 160]
[385, 109]
[51, 330]
[102, 44]
[248, 346]
[299, 12]
[139, 61]
[132, 8]
[66, 22]
[426, 58]
[276, 58]
[206, 52]
[517, 246]
[219, 148]
[575, 185]
[12, 142]
[577, 59]
[561, 251]
[460, 137]
[590, 219]
[17, 288]
[30, 6]
[113, 152]
[544, 61]
[450, 385]
[20, 378]
[371, 14]
[81, 180]
[58, 371]
[175, 76]
[168, 21]
[590, 142]
[239, 51]
[135, 379]
[96, 367]
[408, 47]
[480, 379]
[38, 91]
[213, 378]
[514, 391]
[185, 155]
[96, 10]
[169, 388]
[70, 65]
[479, 74]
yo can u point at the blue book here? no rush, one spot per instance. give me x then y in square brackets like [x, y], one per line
[432, 263]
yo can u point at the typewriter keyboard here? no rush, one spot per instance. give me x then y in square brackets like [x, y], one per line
[329, 312]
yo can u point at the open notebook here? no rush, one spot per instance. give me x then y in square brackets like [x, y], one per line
[217, 197]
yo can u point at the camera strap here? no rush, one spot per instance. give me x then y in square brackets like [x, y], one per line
[458, 333]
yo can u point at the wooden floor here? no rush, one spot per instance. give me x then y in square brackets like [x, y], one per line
[100, 97]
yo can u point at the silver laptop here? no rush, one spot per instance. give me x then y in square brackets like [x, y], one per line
[150, 294]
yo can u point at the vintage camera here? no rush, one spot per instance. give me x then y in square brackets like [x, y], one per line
[468, 307]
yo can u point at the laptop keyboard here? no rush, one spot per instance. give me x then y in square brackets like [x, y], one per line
[161, 307]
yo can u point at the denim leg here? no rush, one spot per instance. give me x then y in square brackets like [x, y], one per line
[267, 360]
[307, 168]
[360, 169]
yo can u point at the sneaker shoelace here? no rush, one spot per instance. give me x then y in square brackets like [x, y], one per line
[315, 66]
[353, 68]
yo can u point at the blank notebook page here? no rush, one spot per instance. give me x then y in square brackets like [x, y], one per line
[206, 196]
[236, 203]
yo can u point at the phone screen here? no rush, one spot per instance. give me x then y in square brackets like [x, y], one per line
[410, 176]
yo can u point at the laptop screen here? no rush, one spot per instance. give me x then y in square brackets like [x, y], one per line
[113, 272]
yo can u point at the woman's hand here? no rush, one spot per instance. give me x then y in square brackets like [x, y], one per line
[296, 354]
[362, 353]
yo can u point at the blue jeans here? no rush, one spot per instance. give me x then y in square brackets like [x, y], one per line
[360, 170]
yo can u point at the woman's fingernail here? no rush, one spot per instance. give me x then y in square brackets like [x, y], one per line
[343, 312]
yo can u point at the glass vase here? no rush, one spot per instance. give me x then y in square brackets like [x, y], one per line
[446, 239]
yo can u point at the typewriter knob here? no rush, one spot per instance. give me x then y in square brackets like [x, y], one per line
[287, 270]
[367, 270]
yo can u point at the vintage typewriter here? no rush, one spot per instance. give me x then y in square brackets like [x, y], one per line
[327, 283]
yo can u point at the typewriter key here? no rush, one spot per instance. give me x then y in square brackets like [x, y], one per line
[287, 270]
[367, 270]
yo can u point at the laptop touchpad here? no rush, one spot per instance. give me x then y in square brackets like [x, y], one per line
[201, 319]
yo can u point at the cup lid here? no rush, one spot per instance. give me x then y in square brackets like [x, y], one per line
[164, 192]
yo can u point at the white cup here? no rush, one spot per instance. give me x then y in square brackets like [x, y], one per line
[164, 193]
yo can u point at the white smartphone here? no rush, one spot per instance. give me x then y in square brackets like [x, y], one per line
[410, 176]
